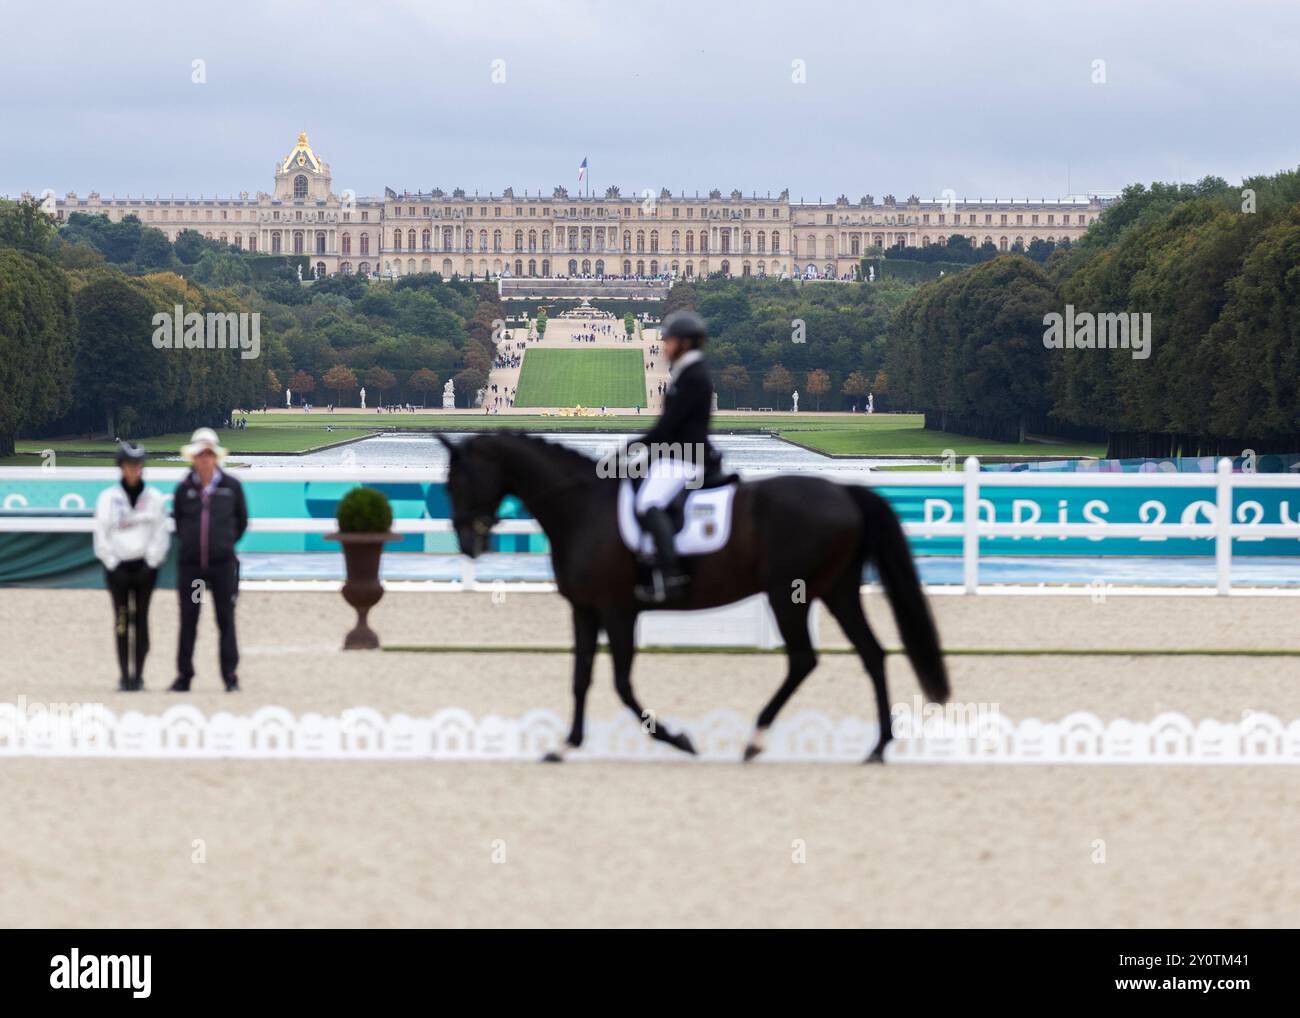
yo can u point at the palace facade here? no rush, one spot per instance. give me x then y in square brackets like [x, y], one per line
[610, 234]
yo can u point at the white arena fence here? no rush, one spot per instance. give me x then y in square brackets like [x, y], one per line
[270, 733]
[1220, 528]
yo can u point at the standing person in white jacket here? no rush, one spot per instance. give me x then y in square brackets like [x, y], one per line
[131, 540]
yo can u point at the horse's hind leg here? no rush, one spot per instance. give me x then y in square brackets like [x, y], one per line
[622, 649]
[845, 604]
[586, 630]
[792, 620]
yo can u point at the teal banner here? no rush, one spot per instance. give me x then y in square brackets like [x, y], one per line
[1137, 504]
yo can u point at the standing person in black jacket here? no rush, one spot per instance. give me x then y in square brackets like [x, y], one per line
[684, 425]
[211, 516]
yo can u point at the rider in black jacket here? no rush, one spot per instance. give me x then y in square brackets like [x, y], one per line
[684, 422]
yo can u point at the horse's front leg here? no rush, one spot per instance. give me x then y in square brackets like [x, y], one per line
[622, 648]
[586, 630]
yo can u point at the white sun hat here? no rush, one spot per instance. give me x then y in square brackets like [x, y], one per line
[203, 439]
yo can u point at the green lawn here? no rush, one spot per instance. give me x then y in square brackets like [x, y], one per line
[916, 440]
[590, 378]
[256, 438]
[840, 434]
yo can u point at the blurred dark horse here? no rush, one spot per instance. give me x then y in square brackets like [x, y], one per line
[793, 538]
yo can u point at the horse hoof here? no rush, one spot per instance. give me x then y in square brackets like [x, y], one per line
[751, 751]
[877, 757]
[553, 757]
[683, 742]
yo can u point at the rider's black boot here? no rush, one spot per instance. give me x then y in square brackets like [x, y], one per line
[667, 578]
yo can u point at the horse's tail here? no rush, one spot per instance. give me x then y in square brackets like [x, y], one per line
[885, 544]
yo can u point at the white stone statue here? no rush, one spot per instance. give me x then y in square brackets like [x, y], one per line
[796, 401]
[300, 273]
[449, 396]
[871, 273]
[288, 397]
[363, 397]
[871, 402]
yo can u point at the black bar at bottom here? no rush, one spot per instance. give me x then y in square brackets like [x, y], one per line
[334, 969]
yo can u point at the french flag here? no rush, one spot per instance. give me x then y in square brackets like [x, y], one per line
[582, 170]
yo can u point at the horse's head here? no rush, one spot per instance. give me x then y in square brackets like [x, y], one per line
[476, 486]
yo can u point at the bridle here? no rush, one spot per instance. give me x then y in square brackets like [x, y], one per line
[481, 523]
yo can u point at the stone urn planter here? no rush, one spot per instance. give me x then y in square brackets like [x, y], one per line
[365, 520]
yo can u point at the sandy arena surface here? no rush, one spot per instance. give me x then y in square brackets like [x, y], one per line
[419, 843]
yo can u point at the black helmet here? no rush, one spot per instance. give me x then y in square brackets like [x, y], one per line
[129, 452]
[685, 325]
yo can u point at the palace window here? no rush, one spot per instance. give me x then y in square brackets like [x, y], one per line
[299, 187]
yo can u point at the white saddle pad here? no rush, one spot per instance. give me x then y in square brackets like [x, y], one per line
[707, 526]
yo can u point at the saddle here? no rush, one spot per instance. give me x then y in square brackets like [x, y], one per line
[703, 516]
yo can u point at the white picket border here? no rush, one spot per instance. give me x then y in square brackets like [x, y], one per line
[270, 733]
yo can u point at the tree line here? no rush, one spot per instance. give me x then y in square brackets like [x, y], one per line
[1215, 267]
[77, 330]
[771, 337]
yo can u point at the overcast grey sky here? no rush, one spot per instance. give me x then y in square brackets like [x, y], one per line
[987, 98]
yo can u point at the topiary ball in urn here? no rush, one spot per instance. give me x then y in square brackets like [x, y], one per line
[365, 522]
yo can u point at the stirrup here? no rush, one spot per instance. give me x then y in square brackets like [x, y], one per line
[663, 587]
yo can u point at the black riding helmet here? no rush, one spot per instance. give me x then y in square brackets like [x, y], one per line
[129, 452]
[687, 326]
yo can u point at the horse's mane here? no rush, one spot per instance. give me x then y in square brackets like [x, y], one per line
[563, 455]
